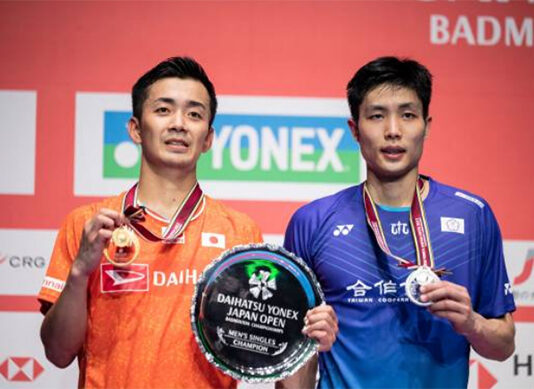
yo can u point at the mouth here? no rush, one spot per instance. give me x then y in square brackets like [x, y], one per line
[176, 142]
[393, 152]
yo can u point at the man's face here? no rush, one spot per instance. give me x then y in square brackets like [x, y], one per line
[391, 131]
[174, 129]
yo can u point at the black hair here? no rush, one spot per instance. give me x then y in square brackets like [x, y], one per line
[399, 72]
[181, 67]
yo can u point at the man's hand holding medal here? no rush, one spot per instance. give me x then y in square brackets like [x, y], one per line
[107, 233]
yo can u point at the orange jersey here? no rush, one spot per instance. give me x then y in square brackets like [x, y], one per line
[139, 333]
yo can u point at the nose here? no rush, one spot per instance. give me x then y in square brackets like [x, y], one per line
[393, 128]
[177, 121]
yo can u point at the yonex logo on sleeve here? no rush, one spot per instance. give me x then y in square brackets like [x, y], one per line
[343, 229]
[470, 198]
[507, 289]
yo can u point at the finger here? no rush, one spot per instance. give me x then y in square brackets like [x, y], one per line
[444, 291]
[97, 240]
[321, 312]
[324, 338]
[104, 234]
[118, 218]
[453, 317]
[321, 325]
[440, 285]
[100, 228]
[449, 306]
[321, 321]
[99, 221]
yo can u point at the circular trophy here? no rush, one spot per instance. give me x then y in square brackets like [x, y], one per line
[248, 312]
[423, 275]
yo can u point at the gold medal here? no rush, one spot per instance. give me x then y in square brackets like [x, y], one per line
[123, 237]
[125, 245]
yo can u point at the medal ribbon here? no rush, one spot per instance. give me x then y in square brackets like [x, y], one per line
[418, 226]
[178, 222]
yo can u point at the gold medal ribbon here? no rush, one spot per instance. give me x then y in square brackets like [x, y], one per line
[124, 237]
[181, 218]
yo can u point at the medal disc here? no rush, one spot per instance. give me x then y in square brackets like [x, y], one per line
[248, 312]
[123, 237]
[123, 247]
[423, 275]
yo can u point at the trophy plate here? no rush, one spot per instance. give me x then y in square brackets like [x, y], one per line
[248, 312]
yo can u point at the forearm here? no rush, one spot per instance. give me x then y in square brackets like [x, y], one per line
[65, 324]
[493, 338]
[303, 379]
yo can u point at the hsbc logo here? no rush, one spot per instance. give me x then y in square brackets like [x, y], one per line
[342, 229]
[133, 278]
[479, 376]
[20, 369]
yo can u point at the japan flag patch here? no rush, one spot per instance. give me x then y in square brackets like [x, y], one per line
[211, 239]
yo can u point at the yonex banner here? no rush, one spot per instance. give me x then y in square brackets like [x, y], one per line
[264, 147]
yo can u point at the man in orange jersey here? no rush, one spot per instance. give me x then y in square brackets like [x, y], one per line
[129, 325]
[117, 293]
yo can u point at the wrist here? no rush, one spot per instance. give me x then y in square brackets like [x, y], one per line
[79, 272]
[476, 328]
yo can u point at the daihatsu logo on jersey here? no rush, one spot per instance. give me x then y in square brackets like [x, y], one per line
[133, 278]
[264, 148]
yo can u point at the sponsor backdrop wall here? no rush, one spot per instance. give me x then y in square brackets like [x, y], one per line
[280, 69]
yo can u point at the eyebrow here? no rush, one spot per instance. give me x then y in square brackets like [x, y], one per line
[410, 104]
[189, 103]
[379, 107]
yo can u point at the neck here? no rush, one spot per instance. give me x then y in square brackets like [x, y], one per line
[163, 192]
[394, 193]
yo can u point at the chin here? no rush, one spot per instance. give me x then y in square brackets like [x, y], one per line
[179, 164]
[389, 175]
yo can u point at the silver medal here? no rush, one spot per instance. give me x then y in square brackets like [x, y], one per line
[423, 275]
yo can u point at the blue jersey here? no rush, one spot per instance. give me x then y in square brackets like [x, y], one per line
[384, 339]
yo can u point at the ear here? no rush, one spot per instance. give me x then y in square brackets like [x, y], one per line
[354, 129]
[428, 123]
[208, 140]
[134, 130]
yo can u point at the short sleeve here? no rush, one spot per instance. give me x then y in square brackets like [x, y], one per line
[495, 297]
[63, 254]
[298, 236]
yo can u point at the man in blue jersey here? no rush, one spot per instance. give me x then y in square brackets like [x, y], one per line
[413, 268]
